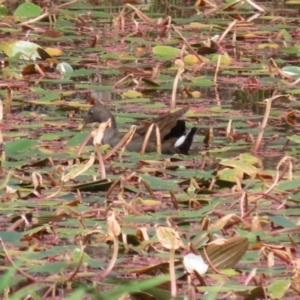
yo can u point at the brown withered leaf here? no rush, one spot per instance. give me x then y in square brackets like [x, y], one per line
[291, 117]
[32, 69]
[143, 296]
[150, 82]
[113, 226]
[209, 137]
[227, 254]
[153, 269]
[43, 53]
[168, 237]
[52, 33]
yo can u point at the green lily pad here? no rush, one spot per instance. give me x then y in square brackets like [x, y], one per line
[27, 10]
[26, 50]
[166, 52]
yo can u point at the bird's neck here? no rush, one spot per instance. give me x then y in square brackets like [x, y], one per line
[111, 133]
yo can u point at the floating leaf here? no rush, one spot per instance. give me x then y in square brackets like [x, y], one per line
[231, 175]
[202, 81]
[26, 50]
[19, 146]
[240, 165]
[27, 10]
[268, 45]
[288, 185]
[291, 70]
[191, 60]
[133, 94]
[196, 94]
[250, 158]
[224, 59]
[168, 237]
[278, 288]
[78, 170]
[3, 10]
[283, 221]
[294, 138]
[166, 52]
[54, 51]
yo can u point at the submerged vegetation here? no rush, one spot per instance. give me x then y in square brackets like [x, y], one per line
[99, 223]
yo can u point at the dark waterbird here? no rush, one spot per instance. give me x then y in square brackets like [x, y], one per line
[174, 137]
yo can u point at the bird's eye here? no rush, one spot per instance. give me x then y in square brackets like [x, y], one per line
[91, 112]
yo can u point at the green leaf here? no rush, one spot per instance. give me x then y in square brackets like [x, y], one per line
[278, 288]
[287, 36]
[53, 267]
[77, 139]
[27, 50]
[30, 290]
[11, 237]
[135, 286]
[240, 165]
[202, 81]
[166, 52]
[160, 184]
[294, 138]
[28, 10]
[288, 185]
[229, 174]
[21, 145]
[93, 87]
[50, 96]
[3, 10]
[132, 94]
[283, 221]
[250, 158]
[6, 278]
[53, 136]
[77, 294]
[291, 70]
[225, 59]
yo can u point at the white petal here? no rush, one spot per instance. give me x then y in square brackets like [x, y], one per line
[193, 262]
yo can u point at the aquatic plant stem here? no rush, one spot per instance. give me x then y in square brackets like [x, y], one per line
[172, 273]
[217, 69]
[101, 162]
[20, 271]
[114, 230]
[113, 259]
[276, 180]
[179, 64]
[280, 72]
[124, 142]
[188, 45]
[254, 5]
[146, 139]
[84, 143]
[230, 26]
[78, 265]
[264, 123]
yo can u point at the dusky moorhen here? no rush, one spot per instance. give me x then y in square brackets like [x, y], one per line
[174, 138]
